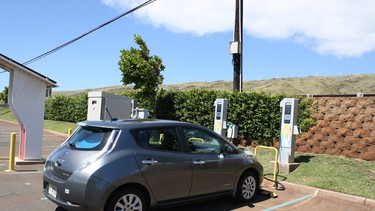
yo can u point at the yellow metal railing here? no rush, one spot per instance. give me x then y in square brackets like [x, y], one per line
[276, 159]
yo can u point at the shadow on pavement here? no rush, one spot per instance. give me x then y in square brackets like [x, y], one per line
[222, 204]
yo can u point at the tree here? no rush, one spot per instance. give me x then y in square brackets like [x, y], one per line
[142, 70]
[4, 95]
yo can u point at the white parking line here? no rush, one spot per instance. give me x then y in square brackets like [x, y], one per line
[22, 172]
[289, 202]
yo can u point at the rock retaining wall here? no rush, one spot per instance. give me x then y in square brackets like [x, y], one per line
[345, 126]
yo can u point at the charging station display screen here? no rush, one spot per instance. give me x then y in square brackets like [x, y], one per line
[218, 111]
[287, 113]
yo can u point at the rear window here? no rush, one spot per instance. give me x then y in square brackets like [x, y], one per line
[90, 138]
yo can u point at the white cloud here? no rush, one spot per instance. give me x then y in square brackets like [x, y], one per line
[343, 28]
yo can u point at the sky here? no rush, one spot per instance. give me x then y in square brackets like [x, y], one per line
[282, 38]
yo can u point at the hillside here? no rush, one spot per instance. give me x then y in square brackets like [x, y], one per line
[317, 85]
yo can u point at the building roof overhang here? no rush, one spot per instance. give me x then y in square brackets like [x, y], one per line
[8, 64]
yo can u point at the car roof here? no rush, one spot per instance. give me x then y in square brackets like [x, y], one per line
[133, 123]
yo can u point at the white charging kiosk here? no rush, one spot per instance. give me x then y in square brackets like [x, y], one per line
[221, 108]
[288, 132]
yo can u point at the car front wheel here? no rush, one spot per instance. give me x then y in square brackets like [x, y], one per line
[246, 187]
[127, 199]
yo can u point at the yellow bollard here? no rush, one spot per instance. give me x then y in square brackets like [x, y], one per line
[69, 132]
[12, 152]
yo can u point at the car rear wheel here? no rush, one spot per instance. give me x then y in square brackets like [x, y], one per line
[246, 187]
[127, 199]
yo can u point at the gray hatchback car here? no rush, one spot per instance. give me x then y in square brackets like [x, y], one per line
[139, 164]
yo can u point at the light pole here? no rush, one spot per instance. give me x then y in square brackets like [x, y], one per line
[236, 47]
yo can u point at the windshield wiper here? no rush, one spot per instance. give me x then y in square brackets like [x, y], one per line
[73, 145]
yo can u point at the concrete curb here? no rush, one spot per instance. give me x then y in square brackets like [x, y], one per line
[56, 133]
[7, 121]
[332, 194]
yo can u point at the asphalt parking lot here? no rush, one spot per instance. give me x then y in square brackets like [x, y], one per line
[22, 189]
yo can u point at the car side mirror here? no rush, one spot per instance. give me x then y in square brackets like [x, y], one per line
[228, 150]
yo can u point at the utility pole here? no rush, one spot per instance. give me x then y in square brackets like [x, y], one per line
[236, 47]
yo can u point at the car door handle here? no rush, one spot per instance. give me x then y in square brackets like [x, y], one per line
[149, 162]
[198, 162]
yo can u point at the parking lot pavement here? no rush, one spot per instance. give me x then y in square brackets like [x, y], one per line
[50, 139]
[22, 189]
[294, 197]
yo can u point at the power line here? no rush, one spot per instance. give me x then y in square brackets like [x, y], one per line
[87, 33]
[28, 24]
[15, 17]
[33, 30]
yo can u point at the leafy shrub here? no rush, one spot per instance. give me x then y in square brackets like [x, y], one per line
[257, 116]
[68, 109]
[165, 107]
[195, 106]
[305, 109]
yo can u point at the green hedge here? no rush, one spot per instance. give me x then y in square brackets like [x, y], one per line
[256, 114]
[67, 109]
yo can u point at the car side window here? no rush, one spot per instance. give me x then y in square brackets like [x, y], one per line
[202, 142]
[159, 139]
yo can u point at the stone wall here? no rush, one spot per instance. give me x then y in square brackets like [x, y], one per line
[345, 126]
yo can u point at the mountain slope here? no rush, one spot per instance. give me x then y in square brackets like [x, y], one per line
[317, 85]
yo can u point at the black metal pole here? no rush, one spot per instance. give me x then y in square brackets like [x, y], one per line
[241, 44]
[237, 57]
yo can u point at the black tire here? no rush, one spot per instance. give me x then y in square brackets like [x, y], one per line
[127, 199]
[247, 187]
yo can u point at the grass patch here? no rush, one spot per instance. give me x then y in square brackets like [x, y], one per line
[345, 175]
[62, 127]
[6, 114]
[351, 176]
[58, 126]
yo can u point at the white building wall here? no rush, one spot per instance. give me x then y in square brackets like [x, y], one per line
[27, 101]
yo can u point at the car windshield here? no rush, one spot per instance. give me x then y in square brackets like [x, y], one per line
[90, 138]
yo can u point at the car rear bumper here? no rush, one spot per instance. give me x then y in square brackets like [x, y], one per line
[71, 194]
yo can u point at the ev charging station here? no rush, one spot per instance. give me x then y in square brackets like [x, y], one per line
[221, 109]
[288, 132]
[104, 106]
[221, 125]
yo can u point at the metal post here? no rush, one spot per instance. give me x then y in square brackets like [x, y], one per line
[237, 57]
[12, 152]
[241, 45]
[69, 132]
